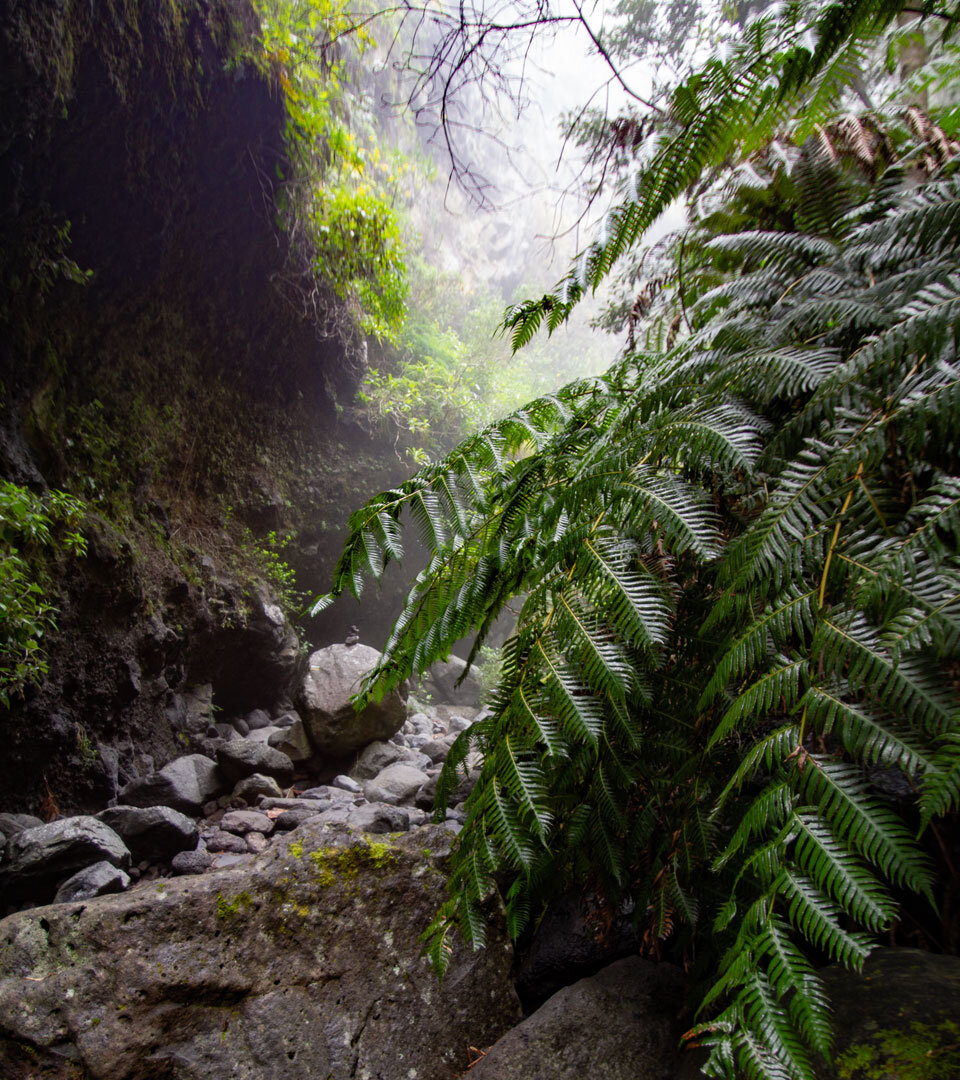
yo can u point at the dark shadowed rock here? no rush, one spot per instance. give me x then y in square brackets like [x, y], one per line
[190, 862]
[334, 675]
[300, 964]
[38, 859]
[245, 758]
[96, 880]
[11, 824]
[565, 948]
[903, 1010]
[292, 741]
[185, 784]
[620, 1024]
[442, 678]
[152, 832]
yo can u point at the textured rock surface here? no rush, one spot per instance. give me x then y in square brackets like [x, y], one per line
[184, 784]
[905, 1006]
[38, 859]
[152, 832]
[96, 880]
[247, 758]
[334, 675]
[620, 1024]
[305, 963]
[395, 784]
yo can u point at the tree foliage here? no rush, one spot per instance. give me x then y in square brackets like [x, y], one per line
[736, 553]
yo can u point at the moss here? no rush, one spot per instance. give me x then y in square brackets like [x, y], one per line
[226, 909]
[346, 863]
[296, 849]
[922, 1052]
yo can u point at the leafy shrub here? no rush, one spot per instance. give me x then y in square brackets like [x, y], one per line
[29, 525]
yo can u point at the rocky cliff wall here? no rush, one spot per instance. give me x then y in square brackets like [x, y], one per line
[151, 365]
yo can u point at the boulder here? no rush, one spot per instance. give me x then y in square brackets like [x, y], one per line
[244, 758]
[379, 818]
[620, 1024]
[198, 708]
[190, 862]
[217, 840]
[437, 749]
[288, 820]
[250, 788]
[375, 758]
[11, 824]
[304, 961]
[335, 728]
[293, 742]
[151, 832]
[427, 794]
[441, 681]
[242, 822]
[184, 784]
[904, 1008]
[565, 948]
[263, 734]
[38, 858]
[395, 784]
[96, 880]
[257, 719]
[348, 784]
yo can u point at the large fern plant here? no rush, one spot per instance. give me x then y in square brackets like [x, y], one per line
[737, 560]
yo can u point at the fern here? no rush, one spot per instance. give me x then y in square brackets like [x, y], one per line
[736, 564]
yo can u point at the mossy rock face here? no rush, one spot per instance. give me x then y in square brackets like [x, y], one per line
[898, 1020]
[307, 965]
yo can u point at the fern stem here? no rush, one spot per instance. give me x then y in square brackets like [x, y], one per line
[833, 540]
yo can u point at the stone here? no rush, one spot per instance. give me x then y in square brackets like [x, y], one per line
[292, 819]
[190, 862]
[427, 794]
[293, 742]
[904, 1006]
[458, 724]
[256, 842]
[152, 832]
[262, 735]
[334, 727]
[302, 962]
[379, 818]
[218, 840]
[245, 821]
[225, 859]
[258, 718]
[441, 681]
[244, 758]
[38, 859]
[418, 741]
[348, 784]
[564, 949]
[295, 804]
[198, 708]
[620, 1024]
[437, 749]
[184, 784]
[241, 726]
[421, 724]
[328, 791]
[374, 759]
[394, 784]
[251, 787]
[11, 824]
[96, 880]
[287, 719]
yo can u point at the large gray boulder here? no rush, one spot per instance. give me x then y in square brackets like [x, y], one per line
[247, 758]
[184, 784]
[396, 784]
[37, 859]
[441, 683]
[620, 1024]
[333, 676]
[151, 832]
[375, 758]
[302, 962]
